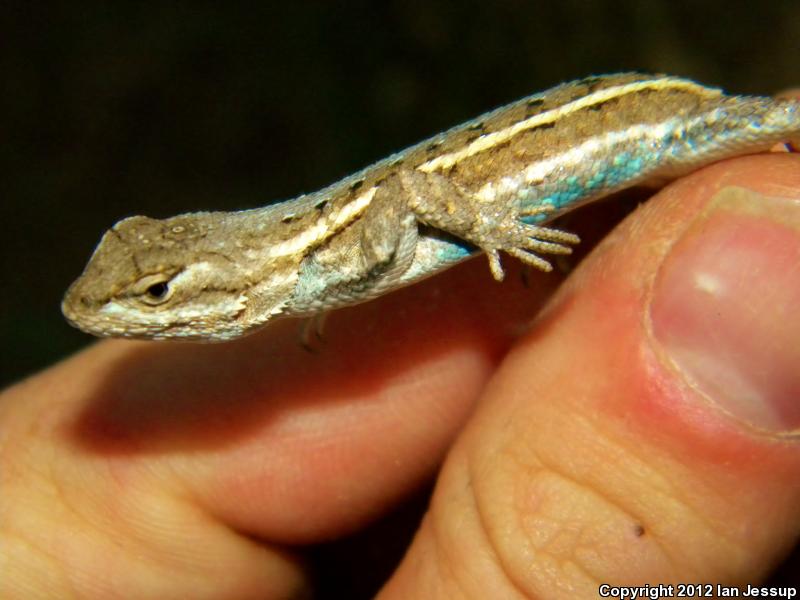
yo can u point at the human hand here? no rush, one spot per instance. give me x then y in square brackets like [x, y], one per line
[641, 429]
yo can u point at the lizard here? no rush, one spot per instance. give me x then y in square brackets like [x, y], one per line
[487, 186]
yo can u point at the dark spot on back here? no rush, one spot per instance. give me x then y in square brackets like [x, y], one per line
[591, 80]
[543, 126]
[646, 92]
[606, 104]
[356, 184]
[592, 83]
[639, 530]
[471, 138]
[433, 146]
[533, 107]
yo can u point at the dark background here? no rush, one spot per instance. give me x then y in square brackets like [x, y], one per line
[110, 109]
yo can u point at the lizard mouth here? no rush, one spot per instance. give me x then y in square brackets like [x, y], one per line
[80, 312]
[84, 312]
[82, 315]
[74, 306]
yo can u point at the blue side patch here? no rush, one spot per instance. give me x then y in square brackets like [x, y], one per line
[622, 167]
[452, 251]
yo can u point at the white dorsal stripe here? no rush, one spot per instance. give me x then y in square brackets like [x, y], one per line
[352, 209]
[536, 172]
[488, 141]
[323, 228]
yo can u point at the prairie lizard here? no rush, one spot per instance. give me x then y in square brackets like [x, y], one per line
[485, 186]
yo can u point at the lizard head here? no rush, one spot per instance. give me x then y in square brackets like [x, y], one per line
[188, 277]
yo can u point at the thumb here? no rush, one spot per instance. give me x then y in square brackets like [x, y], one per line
[646, 430]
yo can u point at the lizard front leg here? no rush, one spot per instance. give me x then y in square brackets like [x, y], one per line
[363, 260]
[492, 226]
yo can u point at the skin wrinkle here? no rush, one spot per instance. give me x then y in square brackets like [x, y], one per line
[55, 566]
[491, 543]
[483, 531]
[542, 550]
[657, 484]
[40, 546]
[144, 556]
[454, 579]
[609, 502]
[596, 490]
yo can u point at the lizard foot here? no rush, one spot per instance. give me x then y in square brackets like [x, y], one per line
[524, 241]
[511, 234]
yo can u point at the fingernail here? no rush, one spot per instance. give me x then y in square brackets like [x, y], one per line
[726, 307]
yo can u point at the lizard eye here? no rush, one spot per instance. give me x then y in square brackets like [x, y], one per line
[158, 291]
[153, 290]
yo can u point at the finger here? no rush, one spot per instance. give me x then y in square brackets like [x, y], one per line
[646, 430]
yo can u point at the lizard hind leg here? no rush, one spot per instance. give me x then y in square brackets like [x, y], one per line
[495, 226]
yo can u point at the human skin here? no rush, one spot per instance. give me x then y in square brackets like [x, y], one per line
[641, 429]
